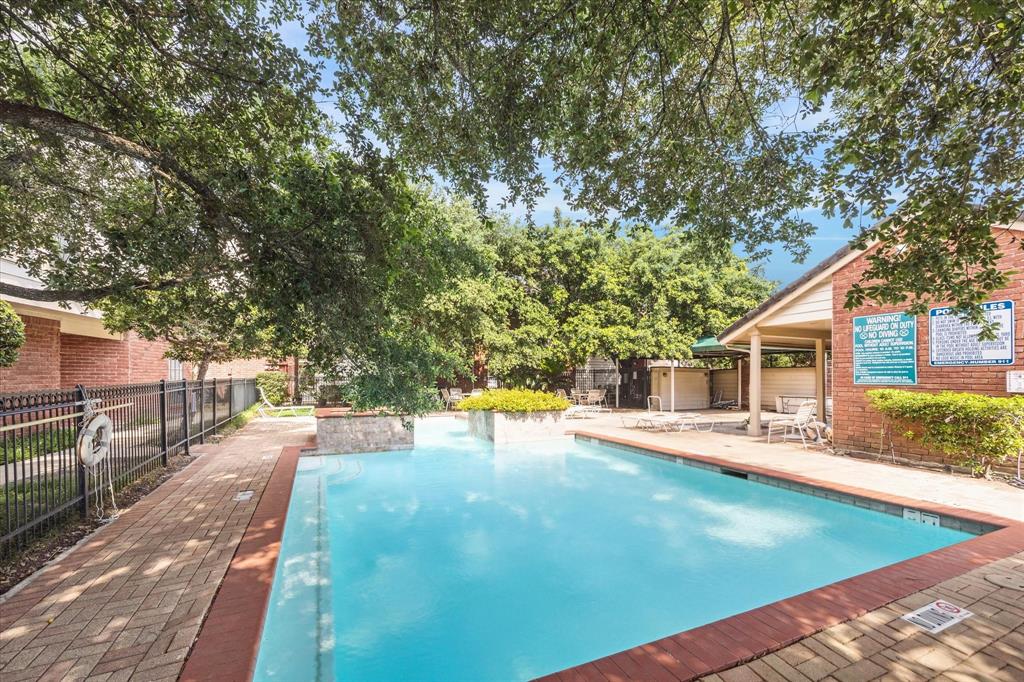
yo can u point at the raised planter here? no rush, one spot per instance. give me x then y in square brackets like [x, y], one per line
[341, 431]
[516, 427]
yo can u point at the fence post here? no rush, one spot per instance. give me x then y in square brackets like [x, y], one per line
[231, 397]
[215, 405]
[163, 421]
[202, 411]
[83, 481]
[186, 400]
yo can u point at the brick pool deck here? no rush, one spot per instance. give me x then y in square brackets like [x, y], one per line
[128, 603]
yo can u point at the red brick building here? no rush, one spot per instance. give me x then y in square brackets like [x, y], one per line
[68, 346]
[810, 313]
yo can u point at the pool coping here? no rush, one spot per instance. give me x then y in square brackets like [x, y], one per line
[228, 643]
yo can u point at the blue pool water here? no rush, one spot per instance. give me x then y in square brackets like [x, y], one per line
[461, 561]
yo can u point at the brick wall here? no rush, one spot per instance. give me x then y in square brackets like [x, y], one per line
[856, 425]
[38, 364]
[147, 361]
[241, 369]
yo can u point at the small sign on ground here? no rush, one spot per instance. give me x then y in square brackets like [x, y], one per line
[937, 616]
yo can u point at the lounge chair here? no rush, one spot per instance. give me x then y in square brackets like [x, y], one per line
[645, 419]
[560, 393]
[269, 409]
[581, 411]
[720, 404]
[804, 419]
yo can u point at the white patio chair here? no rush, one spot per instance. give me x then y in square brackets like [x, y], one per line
[456, 395]
[596, 398]
[269, 409]
[446, 398]
[476, 391]
[805, 418]
[560, 393]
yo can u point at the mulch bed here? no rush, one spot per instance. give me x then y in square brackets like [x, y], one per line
[29, 559]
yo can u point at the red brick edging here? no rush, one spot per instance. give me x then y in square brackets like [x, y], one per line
[227, 645]
[737, 639]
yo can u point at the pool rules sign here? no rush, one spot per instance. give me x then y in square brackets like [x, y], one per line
[885, 349]
[953, 342]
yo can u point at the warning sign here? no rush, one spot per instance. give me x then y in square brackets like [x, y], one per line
[954, 342]
[885, 349]
[937, 616]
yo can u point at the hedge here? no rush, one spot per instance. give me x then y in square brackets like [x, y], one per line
[978, 430]
[514, 400]
[274, 385]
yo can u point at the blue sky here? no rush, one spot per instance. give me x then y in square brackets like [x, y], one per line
[780, 266]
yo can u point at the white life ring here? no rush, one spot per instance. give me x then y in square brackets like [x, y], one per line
[94, 440]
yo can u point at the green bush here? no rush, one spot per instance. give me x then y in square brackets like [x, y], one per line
[274, 385]
[514, 400]
[978, 430]
[12, 334]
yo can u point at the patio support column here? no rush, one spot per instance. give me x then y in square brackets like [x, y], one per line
[672, 387]
[754, 428]
[819, 377]
[739, 383]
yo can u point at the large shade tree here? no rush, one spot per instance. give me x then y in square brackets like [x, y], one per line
[561, 293]
[152, 150]
[724, 118]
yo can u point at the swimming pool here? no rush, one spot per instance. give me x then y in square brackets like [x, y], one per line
[461, 561]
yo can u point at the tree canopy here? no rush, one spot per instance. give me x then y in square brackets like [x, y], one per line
[169, 159]
[561, 293]
[726, 119]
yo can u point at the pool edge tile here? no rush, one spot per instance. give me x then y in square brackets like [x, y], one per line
[227, 645]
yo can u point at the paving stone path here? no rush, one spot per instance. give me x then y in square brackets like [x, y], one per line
[882, 646]
[128, 602]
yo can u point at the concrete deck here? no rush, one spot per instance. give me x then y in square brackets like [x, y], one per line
[728, 442]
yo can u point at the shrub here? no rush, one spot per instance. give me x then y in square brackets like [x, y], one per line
[12, 334]
[514, 400]
[274, 385]
[978, 430]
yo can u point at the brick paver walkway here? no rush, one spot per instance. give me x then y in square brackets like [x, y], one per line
[881, 645]
[127, 603]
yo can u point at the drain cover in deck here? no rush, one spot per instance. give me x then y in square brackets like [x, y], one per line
[1013, 582]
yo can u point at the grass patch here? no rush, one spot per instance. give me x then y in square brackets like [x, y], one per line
[27, 446]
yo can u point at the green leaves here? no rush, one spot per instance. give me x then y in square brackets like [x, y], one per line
[566, 292]
[727, 120]
[514, 400]
[12, 334]
[979, 430]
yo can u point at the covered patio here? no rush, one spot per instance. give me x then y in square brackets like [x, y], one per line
[796, 318]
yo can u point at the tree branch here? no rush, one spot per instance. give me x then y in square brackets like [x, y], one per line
[85, 294]
[53, 122]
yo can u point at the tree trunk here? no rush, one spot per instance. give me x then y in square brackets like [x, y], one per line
[203, 366]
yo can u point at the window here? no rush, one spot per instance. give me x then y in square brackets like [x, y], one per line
[175, 371]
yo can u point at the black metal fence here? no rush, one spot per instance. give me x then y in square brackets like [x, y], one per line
[43, 482]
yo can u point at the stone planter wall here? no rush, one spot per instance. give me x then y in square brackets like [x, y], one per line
[514, 427]
[341, 431]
